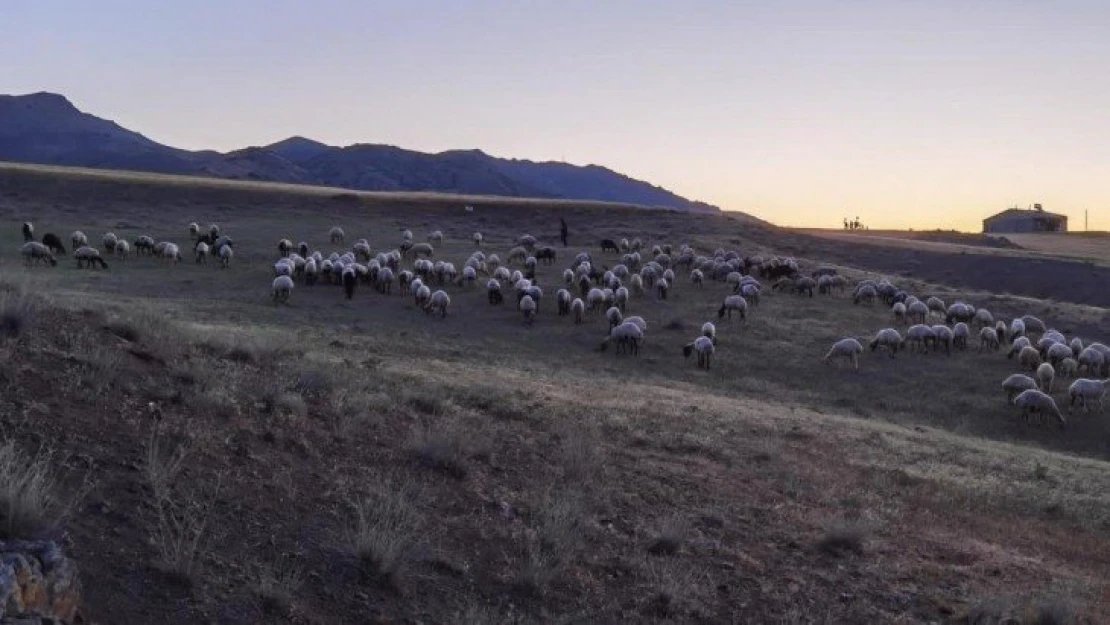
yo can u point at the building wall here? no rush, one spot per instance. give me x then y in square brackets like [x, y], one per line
[1018, 224]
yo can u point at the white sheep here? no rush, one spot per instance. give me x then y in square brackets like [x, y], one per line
[90, 256]
[628, 337]
[1091, 359]
[943, 335]
[170, 251]
[577, 307]
[917, 311]
[1000, 329]
[1045, 376]
[704, 347]
[477, 238]
[731, 303]
[436, 237]
[1067, 368]
[614, 316]
[79, 239]
[201, 252]
[1086, 390]
[595, 297]
[1019, 344]
[988, 338]
[1057, 352]
[709, 331]
[335, 235]
[1034, 401]
[226, 253]
[528, 308]
[638, 322]
[1076, 346]
[1017, 328]
[1017, 383]
[697, 277]
[1029, 357]
[34, 252]
[123, 249]
[109, 241]
[920, 336]
[899, 311]
[421, 294]
[1032, 324]
[281, 288]
[984, 317]
[847, 348]
[889, 339]
[960, 334]
[438, 302]
[620, 298]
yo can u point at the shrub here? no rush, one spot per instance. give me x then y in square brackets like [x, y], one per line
[441, 449]
[276, 583]
[17, 310]
[843, 537]
[385, 529]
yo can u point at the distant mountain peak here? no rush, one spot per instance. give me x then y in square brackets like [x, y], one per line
[298, 149]
[45, 100]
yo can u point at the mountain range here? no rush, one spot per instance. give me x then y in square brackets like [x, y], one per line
[46, 128]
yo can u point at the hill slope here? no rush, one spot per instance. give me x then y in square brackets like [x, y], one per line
[47, 128]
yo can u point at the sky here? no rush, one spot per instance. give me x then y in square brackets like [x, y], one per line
[906, 113]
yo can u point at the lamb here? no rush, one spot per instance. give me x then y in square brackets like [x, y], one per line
[28, 232]
[53, 243]
[577, 307]
[335, 235]
[33, 252]
[1017, 383]
[709, 331]
[528, 308]
[438, 302]
[704, 347]
[628, 337]
[847, 348]
[123, 248]
[1034, 401]
[731, 303]
[281, 288]
[78, 239]
[661, 288]
[1086, 390]
[201, 252]
[1029, 357]
[988, 338]
[1045, 376]
[89, 257]
[109, 242]
[614, 316]
[887, 338]
[226, 254]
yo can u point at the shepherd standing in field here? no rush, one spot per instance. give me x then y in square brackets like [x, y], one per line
[563, 231]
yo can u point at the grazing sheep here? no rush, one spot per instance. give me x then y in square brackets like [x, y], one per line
[1045, 376]
[960, 334]
[436, 237]
[577, 307]
[213, 232]
[527, 308]
[194, 230]
[226, 254]
[916, 312]
[493, 292]
[1019, 344]
[1029, 357]
[1092, 360]
[704, 347]
[988, 338]
[662, 287]
[562, 300]
[935, 304]
[1017, 328]
[899, 311]
[628, 337]
[1067, 368]
[731, 303]
[168, 251]
[385, 281]
[889, 339]
[282, 287]
[1033, 401]
[846, 348]
[34, 252]
[1085, 390]
[89, 257]
[109, 242]
[335, 235]
[144, 244]
[1057, 352]
[1032, 324]
[638, 322]
[201, 252]
[1000, 329]
[54, 244]
[284, 247]
[921, 336]
[1017, 383]
[78, 239]
[1076, 346]
[422, 295]
[709, 331]
[943, 335]
[438, 302]
[984, 317]
[596, 299]
[28, 232]
[478, 238]
[609, 245]
[697, 277]
[123, 248]
[865, 294]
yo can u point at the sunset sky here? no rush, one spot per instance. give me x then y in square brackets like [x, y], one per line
[906, 113]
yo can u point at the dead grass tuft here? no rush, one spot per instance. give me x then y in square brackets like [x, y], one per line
[17, 310]
[28, 502]
[276, 583]
[670, 539]
[441, 448]
[385, 531]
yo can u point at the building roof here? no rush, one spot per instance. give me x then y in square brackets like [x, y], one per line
[1025, 212]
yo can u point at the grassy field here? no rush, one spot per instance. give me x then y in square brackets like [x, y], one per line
[333, 462]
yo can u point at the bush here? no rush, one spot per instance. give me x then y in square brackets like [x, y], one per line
[385, 529]
[441, 449]
[17, 310]
[843, 537]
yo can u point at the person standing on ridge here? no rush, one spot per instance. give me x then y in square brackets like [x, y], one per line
[563, 231]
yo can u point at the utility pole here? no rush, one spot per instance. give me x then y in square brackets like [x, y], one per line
[1084, 220]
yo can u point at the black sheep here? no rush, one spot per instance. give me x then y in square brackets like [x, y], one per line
[28, 232]
[53, 243]
[350, 279]
[609, 245]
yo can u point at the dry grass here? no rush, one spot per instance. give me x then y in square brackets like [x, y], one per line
[385, 530]
[277, 582]
[844, 537]
[29, 504]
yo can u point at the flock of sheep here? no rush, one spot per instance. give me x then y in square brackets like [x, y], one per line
[1051, 356]
[590, 288]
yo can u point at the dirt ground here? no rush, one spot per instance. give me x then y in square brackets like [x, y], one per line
[362, 462]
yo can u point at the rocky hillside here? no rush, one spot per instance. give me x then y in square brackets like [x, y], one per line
[47, 128]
